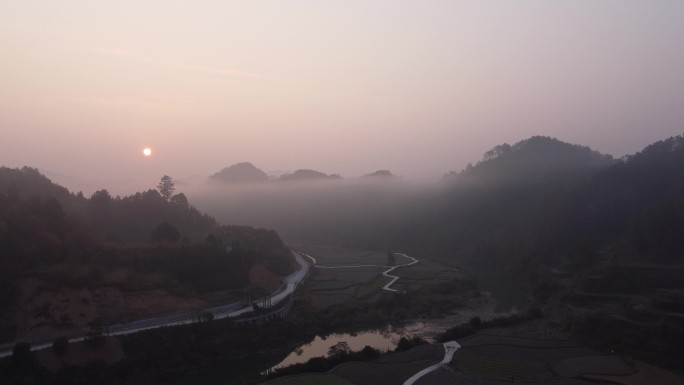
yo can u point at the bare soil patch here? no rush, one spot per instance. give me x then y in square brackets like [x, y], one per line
[46, 312]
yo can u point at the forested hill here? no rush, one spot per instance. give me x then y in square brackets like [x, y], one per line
[131, 218]
[306, 175]
[136, 217]
[29, 181]
[535, 161]
[244, 172]
[633, 208]
[120, 246]
[499, 197]
[511, 229]
[637, 204]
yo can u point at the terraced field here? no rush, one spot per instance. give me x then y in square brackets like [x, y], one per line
[512, 359]
[486, 360]
[345, 275]
[372, 287]
[310, 379]
[588, 364]
[425, 273]
[493, 339]
[393, 369]
[511, 369]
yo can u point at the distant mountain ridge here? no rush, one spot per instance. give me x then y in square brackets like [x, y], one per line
[307, 174]
[244, 172]
[28, 181]
[539, 157]
[380, 174]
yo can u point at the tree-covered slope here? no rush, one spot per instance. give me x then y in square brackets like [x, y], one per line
[105, 244]
[638, 202]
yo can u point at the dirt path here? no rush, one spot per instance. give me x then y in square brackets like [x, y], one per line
[394, 278]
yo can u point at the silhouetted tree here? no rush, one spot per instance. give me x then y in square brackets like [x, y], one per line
[166, 187]
[180, 199]
[165, 232]
[338, 350]
[100, 202]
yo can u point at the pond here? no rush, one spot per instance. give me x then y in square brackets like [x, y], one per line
[384, 339]
[387, 338]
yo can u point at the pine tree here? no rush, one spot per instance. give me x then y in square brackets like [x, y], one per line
[166, 187]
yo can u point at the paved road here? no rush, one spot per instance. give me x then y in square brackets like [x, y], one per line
[289, 286]
[449, 349]
[394, 277]
[230, 310]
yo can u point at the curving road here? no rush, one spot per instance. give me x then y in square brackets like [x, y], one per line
[449, 349]
[394, 277]
[290, 284]
[235, 309]
[385, 273]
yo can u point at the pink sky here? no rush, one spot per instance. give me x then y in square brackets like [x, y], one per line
[348, 87]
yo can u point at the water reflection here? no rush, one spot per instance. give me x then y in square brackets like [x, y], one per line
[382, 339]
[388, 338]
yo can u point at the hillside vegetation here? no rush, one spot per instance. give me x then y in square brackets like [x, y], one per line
[67, 260]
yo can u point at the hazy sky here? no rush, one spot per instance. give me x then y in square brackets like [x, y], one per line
[349, 87]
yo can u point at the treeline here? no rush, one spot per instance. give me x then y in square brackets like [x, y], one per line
[69, 241]
[130, 218]
[134, 218]
[476, 324]
[340, 353]
[260, 246]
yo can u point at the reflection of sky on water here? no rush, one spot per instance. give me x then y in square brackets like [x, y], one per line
[388, 338]
[383, 339]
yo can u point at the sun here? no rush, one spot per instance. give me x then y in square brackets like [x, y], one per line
[147, 151]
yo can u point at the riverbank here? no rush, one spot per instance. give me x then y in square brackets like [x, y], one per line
[532, 351]
[192, 350]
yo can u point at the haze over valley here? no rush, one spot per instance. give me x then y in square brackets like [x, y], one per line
[325, 192]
